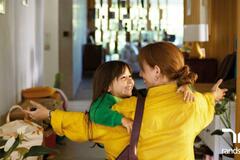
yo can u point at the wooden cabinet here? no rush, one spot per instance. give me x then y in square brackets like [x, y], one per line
[92, 57]
[205, 68]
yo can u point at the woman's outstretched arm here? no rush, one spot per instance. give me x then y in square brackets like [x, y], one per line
[73, 125]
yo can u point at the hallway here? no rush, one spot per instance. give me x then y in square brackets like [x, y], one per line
[40, 38]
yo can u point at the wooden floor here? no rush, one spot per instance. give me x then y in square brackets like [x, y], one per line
[76, 151]
[79, 151]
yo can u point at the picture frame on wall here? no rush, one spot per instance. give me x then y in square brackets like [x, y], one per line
[2, 6]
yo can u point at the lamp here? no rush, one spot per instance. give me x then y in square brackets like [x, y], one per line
[196, 33]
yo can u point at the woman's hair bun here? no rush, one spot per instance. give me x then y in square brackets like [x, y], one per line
[185, 76]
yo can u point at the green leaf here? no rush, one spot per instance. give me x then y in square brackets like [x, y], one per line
[2, 153]
[2, 141]
[221, 107]
[232, 96]
[39, 150]
[58, 80]
[14, 146]
[217, 132]
[22, 150]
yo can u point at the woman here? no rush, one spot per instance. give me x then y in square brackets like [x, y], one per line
[168, 122]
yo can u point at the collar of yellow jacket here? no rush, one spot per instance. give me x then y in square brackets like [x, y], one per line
[162, 89]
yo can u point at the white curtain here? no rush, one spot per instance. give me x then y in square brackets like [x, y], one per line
[21, 50]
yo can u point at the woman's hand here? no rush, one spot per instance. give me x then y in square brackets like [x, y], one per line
[218, 93]
[40, 112]
[188, 95]
[127, 123]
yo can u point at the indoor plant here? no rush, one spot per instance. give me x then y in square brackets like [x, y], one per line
[11, 145]
[223, 109]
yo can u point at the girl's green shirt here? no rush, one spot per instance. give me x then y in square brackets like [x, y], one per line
[101, 111]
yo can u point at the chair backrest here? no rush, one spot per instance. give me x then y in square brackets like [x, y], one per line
[227, 67]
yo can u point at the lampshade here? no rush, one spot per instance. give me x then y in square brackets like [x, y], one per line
[195, 33]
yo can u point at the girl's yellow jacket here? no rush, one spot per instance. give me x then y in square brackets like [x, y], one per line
[168, 130]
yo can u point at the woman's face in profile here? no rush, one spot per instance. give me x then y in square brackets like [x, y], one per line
[148, 74]
[122, 86]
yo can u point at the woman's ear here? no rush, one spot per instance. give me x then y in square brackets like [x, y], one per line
[157, 70]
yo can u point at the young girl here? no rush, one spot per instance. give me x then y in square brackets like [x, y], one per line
[112, 81]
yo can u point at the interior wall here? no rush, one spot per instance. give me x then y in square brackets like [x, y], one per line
[51, 53]
[79, 39]
[223, 32]
[39, 39]
[27, 45]
[8, 92]
[193, 12]
[66, 46]
[220, 17]
[20, 50]
[72, 36]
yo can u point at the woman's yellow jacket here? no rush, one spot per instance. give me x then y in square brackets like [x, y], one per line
[168, 130]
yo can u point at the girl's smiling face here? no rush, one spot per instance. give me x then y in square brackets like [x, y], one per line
[122, 86]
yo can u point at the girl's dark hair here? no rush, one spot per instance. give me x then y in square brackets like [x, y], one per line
[104, 76]
[169, 59]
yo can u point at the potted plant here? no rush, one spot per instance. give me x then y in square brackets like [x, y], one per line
[10, 147]
[223, 109]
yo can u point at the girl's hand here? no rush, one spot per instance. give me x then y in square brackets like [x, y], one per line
[38, 112]
[127, 123]
[188, 95]
[218, 93]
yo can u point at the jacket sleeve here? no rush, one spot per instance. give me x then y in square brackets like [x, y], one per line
[106, 116]
[76, 127]
[126, 107]
[73, 125]
[204, 110]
